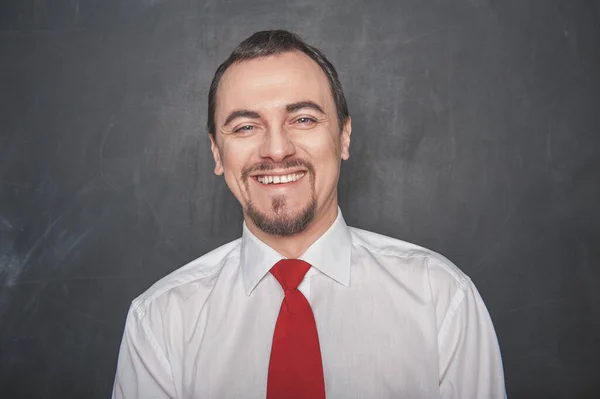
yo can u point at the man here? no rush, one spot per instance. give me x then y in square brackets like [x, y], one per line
[302, 306]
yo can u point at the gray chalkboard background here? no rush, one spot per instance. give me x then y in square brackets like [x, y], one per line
[476, 134]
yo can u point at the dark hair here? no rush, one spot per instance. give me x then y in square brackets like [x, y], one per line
[271, 42]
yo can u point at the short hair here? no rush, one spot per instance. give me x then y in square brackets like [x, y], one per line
[272, 42]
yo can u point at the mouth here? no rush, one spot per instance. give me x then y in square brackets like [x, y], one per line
[278, 179]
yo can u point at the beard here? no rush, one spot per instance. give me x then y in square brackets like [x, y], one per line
[282, 223]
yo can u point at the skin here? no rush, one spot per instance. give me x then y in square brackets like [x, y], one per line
[280, 131]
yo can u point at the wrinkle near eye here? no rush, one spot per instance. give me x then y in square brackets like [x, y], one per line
[240, 129]
[307, 122]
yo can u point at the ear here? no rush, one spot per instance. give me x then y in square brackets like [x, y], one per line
[216, 155]
[345, 139]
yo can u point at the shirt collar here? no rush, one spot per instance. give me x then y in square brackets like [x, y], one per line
[330, 254]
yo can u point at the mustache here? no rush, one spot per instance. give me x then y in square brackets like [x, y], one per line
[285, 164]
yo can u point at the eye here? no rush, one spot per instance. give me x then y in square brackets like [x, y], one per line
[244, 129]
[305, 120]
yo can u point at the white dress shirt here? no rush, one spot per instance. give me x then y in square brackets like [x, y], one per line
[394, 320]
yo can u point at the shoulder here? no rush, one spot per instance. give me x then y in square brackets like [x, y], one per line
[439, 268]
[197, 276]
[447, 287]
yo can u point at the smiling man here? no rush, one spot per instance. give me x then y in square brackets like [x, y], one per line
[302, 306]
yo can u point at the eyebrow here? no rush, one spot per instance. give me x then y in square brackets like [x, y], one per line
[304, 104]
[241, 113]
[246, 113]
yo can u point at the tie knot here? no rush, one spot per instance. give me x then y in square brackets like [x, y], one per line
[290, 272]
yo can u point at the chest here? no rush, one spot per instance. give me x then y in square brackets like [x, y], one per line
[375, 342]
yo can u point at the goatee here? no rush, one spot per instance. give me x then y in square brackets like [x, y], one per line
[280, 225]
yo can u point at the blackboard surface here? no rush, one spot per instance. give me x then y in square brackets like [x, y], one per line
[476, 134]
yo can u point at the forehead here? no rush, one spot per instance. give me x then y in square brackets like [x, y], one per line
[271, 82]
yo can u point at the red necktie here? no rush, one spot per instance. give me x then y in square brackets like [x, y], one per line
[295, 369]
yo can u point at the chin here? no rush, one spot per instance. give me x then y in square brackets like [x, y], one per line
[279, 221]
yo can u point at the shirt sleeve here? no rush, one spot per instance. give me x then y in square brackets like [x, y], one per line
[143, 370]
[470, 365]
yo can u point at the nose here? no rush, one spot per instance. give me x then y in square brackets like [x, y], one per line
[276, 145]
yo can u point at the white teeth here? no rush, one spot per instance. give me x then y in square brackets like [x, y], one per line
[280, 179]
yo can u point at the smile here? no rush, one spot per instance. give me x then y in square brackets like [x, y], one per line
[292, 177]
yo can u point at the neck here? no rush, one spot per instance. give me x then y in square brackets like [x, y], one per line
[295, 245]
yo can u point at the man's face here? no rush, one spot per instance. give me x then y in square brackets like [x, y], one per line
[278, 141]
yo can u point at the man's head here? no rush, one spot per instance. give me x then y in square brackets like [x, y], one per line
[279, 128]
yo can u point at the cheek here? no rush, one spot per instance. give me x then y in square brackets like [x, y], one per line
[232, 166]
[320, 145]
[233, 157]
[236, 156]
[327, 172]
[326, 160]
